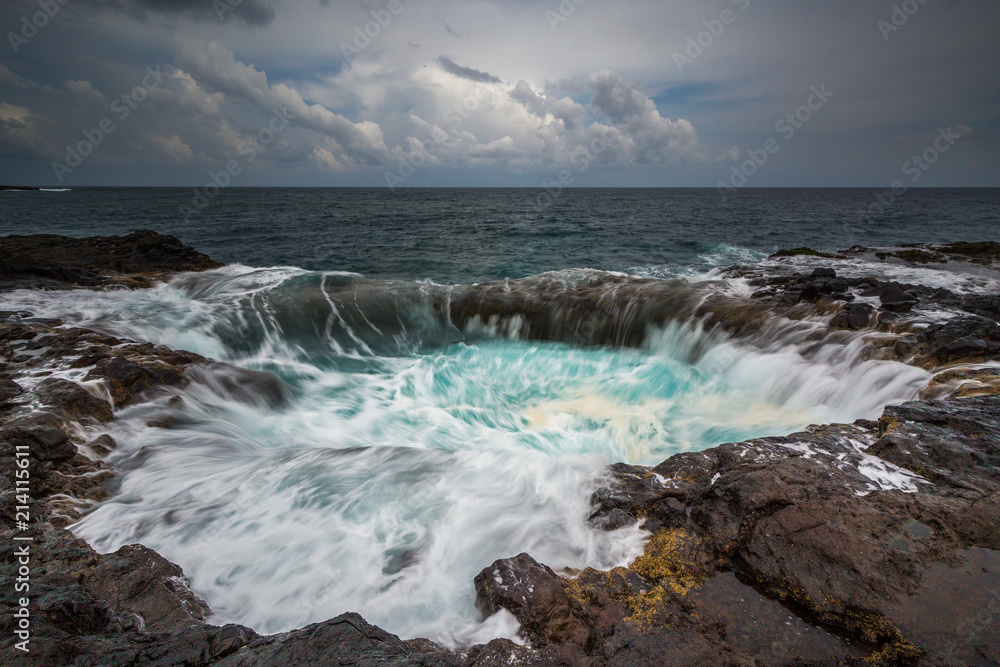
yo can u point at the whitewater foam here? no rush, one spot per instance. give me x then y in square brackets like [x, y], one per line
[411, 454]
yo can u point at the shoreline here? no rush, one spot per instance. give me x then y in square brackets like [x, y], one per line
[777, 521]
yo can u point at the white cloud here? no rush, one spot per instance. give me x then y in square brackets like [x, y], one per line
[214, 66]
[651, 138]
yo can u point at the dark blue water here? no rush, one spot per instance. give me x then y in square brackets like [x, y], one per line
[465, 235]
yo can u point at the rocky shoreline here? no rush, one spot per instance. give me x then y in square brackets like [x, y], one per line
[873, 543]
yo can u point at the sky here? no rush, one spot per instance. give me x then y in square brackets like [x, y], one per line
[519, 93]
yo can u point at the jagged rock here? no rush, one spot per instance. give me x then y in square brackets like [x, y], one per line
[805, 527]
[42, 433]
[127, 379]
[855, 316]
[103, 444]
[955, 443]
[345, 640]
[896, 300]
[93, 261]
[9, 390]
[73, 400]
[532, 593]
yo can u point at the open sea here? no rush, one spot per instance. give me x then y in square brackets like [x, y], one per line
[411, 453]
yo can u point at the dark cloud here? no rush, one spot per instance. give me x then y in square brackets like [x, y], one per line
[450, 66]
[616, 99]
[249, 12]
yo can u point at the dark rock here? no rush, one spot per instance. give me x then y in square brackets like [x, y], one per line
[143, 582]
[612, 520]
[534, 595]
[896, 300]
[823, 273]
[920, 256]
[811, 291]
[793, 296]
[89, 261]
[855, 316]
[42, 433]
[9, 390]
[960, 338]
[73, 400]
[345, 640]
[798, 252]
[124, 378]
[955, 442]
[127, 379]
[103, 444]
[837, 286]
[195, 646]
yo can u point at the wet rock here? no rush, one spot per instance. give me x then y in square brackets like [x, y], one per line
[954, 442]
[195, 646]
[42, 433]
[124, 378]
[73, 400]
[248, 386]
[533, 593]
[103, 445]
[24, 260]
[803, 521]
[823, 273]
[9, 390]
[127, 379]
[799, 252]
[855, 316]
[344, 640]
[972, 339]
[896, 300]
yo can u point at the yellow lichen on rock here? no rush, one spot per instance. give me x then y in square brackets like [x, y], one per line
[662, 562]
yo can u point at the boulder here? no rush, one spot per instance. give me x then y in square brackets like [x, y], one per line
[534, 595]
[896, 300]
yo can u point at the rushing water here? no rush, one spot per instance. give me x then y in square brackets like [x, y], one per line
[411, 451]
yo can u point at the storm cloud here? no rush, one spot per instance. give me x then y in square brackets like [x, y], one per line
[249, 12]
[664, 93]
[450, 66]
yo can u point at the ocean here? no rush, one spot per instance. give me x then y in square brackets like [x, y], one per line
[411, 453]
[463, 235]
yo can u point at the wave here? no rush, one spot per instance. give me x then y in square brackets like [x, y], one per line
[433, 428]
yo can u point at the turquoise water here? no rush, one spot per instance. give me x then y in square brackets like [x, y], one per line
[411, 451]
